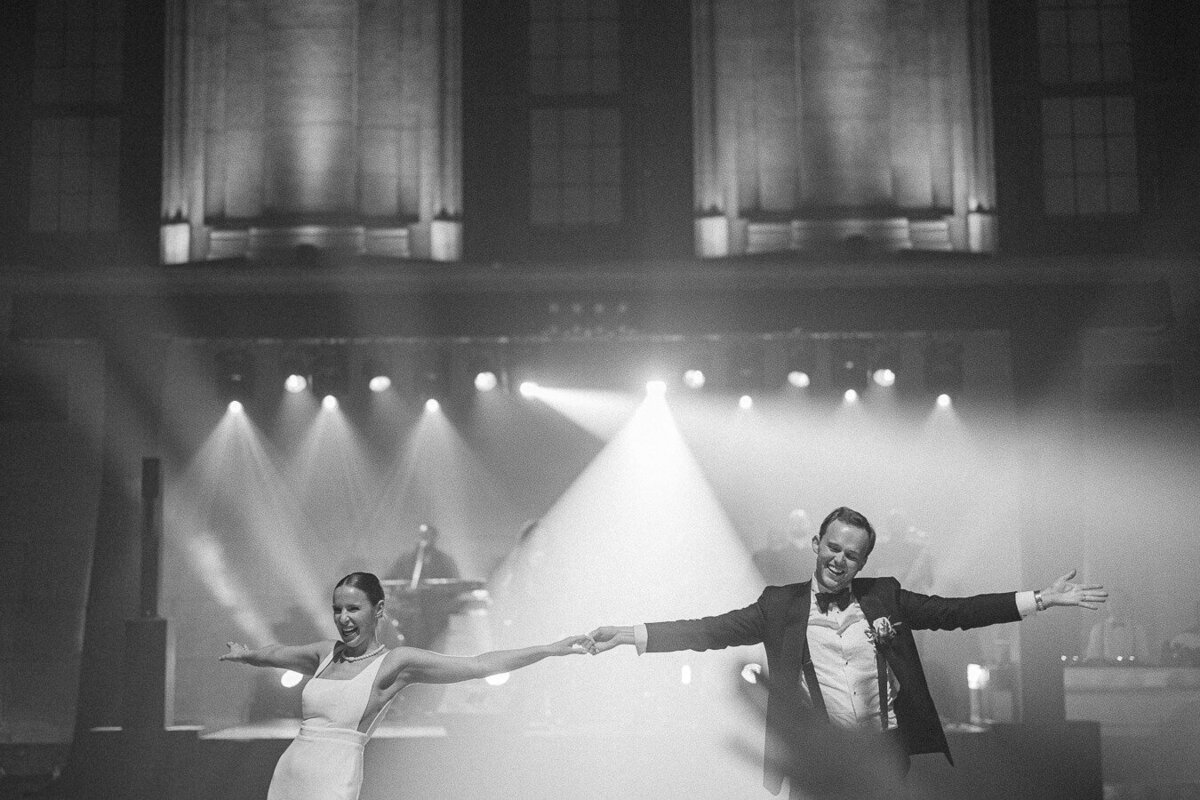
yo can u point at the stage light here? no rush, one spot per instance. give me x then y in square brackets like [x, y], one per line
[943, 367]
[432, 405]
[798, 378]
[528, 388]
[800, 363]
[294, 366]
[656, 388]
[750, 673]
[235, 407]
[378, 374]
[977, 676]
[943, 401]
[885, 358]
[290, 678]
[486, 381]
[235, 374]
[329, 402]
[850, 396]
[848, 364]
[499, 679]
[693, 379]
[745, 402]
[431, 373]
[329, 374]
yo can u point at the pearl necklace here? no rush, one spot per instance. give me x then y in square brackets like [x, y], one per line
[374, 652]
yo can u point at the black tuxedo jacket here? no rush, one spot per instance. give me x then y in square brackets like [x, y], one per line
[779, 621]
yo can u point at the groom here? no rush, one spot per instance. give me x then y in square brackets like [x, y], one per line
[840, 650]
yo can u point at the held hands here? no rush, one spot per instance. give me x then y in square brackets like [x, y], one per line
[606, 637]
[237, 652]
[580, 643]
[1065, 593]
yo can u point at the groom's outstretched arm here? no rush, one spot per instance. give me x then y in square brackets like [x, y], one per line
[740, 627]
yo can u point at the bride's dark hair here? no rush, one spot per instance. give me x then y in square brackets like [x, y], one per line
[365, 582]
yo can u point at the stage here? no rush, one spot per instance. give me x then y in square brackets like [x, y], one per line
[464, 760]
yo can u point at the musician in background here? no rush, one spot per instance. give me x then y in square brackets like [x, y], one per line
[1183, 649]
[425, 560]
[786, 556]
[424, 614]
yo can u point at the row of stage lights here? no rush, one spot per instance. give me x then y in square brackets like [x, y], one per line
[694, 379]
[851, 371]
[487, 381]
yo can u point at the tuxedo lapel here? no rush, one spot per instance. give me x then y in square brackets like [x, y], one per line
[795, 629]
[868, 601]
[795, 646]
[872, 606]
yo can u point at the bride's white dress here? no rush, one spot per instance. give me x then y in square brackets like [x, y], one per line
[325, 760]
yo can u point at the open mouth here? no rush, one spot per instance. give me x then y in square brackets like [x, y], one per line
[348, 633]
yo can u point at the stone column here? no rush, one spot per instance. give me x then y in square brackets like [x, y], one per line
[960, 99]
[174, 241]
[238, 116]
[437, 234]
[707, 181]
[915, 92]
[981, 198]
[310, 107]
[380, 108]
[182, 232]
[846, 103]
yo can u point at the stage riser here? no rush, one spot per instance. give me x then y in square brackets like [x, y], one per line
[1009, 761]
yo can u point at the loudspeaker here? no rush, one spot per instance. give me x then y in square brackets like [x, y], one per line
[149, 673]
[151, 535]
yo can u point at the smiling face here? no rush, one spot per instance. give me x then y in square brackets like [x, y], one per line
[841, 553]
[356, 617]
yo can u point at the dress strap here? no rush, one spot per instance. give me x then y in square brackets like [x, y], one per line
[374, 670]
[325, 661]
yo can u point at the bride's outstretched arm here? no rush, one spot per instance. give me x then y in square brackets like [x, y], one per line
[412, 665]
[304, 658]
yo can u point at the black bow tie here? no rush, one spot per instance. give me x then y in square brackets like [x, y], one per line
[840, 599]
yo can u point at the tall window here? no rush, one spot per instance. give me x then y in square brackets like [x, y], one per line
[574, 47]
[575, 119]
[74, 175]
[77, 52]
[1089, 147]
[76, 129]
[1090, 155]
[1084, 41]
[575, 162]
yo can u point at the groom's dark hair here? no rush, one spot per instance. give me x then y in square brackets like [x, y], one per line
[848, 516]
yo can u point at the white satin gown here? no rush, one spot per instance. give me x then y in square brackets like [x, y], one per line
[325, 760]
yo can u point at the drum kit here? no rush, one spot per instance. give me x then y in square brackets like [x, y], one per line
[430, 612]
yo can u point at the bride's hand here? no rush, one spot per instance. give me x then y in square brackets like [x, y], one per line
[237, 652]
[581, 643]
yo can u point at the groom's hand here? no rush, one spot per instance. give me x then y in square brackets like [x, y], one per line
[607, 637]
[1063, 592]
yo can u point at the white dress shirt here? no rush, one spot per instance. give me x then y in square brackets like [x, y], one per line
[844, 661]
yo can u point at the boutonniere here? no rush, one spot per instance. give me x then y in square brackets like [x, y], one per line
[882, 631]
